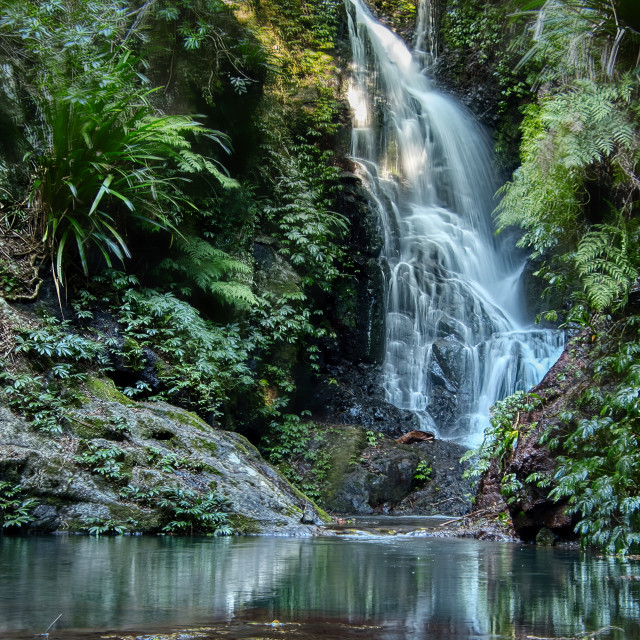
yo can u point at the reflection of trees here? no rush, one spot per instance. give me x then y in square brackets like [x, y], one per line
[444, 588]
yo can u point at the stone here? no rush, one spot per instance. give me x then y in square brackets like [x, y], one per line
[70, 496]
[310, 516]
[545, 537]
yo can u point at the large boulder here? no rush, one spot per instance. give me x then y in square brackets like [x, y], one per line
[369, 472]
[157, 446]
[534, 514]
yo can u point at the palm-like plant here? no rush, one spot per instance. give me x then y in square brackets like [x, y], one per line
[110, 158]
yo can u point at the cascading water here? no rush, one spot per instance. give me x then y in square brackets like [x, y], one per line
[457, 334]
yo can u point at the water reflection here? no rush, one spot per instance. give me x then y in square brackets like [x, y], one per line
[409, 588]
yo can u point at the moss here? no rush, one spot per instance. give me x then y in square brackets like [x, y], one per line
[180, 416]
[135, 518]
[343, 446]
[244, 525]
[244, 444]
[200, 444]
[105, 389]
[90, 427]
[292, 511]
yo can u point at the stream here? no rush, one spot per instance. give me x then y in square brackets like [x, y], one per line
[354, 586]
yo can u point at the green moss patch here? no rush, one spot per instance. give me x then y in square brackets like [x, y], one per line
[105, 389]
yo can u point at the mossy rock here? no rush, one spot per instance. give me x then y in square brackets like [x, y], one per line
[201, 444]
[344, 444]
[105, 389]
[244, 525]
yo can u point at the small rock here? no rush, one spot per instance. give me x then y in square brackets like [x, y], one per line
[545, 537]
[309, 516]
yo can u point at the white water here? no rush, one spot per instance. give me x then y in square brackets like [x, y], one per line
[457, 333]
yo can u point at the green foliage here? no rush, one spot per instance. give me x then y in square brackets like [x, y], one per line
[99, 527]
[170, 462]
[308, 231]
[210, 270]
[32, 397]
[58, 349]
[579, 155]
[105, 162]
[291, 445]
[599, 469]
[373, 438]
[15, 509]
[184, 510]
[400, 13]
[206, 362]
[501, 439]
[423, 472]
[58, 359]
[502, 436]
[607, 263]
[479, 35]
[288, 438]
[194, 513]
[105, 461]
[563, 138]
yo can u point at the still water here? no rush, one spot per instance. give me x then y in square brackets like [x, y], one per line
[386, 588]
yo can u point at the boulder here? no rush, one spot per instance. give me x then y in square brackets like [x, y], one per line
[160, 446]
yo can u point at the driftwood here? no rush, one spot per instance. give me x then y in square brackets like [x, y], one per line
[412, 437]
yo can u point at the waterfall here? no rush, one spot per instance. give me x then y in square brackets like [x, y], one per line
[457, 333]
[425, 43]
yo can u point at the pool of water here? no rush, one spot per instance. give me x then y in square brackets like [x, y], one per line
[389, 587]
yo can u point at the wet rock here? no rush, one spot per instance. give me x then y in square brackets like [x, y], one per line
[353, 394]
[310, 516]
[189, 454]
[355, 307]
[372, 473]
[532, 510]
[446, 491]
[545, 537]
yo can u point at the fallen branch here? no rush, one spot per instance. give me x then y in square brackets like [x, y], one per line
[469, 515]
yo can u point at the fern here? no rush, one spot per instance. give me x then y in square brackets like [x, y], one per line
[211, 270]
[607, 261]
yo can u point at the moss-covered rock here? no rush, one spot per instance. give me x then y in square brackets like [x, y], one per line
[84, 480]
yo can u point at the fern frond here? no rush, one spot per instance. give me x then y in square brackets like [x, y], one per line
[607, 262]
[211, 270]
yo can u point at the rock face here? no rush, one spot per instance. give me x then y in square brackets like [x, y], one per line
[371, 473]
[158, 445]
[353, 394]
[356, 310]
[534, 514]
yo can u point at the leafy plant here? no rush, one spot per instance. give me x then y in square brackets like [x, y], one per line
[373, 438]
[100, 526]
[502, 436]
[105, 461]
[211, 270]
[307, 229]
[423, 472]
[32, 397]
[598, 471]
[106, 161]
[195, 513]
[206, 361]
[607, 263]
[15, 509]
